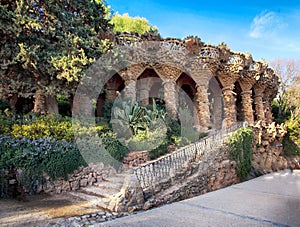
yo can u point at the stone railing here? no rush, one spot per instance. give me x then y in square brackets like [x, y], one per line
[209, 52]
[167, 166]
[173, 44]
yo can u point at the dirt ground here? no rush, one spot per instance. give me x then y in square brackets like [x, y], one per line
[41, 209]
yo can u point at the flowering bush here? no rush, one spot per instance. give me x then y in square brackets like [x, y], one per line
[44, 126]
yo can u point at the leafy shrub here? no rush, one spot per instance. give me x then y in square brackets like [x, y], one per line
[115, 148]
[172, 138]
[291, 142]
[4, 105]
[35, 127]
[5, 123]
[144, 140]
[241, 146]
[57, 158]
[64, 105]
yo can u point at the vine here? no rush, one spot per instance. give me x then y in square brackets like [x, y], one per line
[241, 147]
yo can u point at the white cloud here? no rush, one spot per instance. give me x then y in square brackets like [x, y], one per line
[265, 25]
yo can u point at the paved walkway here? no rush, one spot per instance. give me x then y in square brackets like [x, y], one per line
[270, 200]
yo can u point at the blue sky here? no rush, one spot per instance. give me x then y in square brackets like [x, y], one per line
[267, 29]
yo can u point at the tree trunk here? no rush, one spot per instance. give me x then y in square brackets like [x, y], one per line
[40, 105]
[44, 104]
[13, 101]
[52, 106]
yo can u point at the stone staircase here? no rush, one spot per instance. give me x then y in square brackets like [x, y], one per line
[102, 193]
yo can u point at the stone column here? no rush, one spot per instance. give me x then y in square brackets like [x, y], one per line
[170, 97]
[111, 94]
[247, 106]
[259, 107]
[202, 106]
[268, 111]
[82, 106]
[130, 89]
[144, 94]
[217, 111]
[229, 106]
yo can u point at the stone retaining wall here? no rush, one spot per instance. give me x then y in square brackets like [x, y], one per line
[82, 177]
[268, 155]
[211, 173]
[136, 158]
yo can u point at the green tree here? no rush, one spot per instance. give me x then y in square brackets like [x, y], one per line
[47, 45]
[125, 23]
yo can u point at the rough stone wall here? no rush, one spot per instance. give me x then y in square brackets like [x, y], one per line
[82, 177]
[130, 198]
[136, 158]
[268, 153]
[196, 178]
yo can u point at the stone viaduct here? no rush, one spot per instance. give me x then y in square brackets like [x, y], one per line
[224, 86]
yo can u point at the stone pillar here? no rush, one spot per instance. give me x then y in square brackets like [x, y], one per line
[229, 106]
[111, 94]
[82, 106]
[259, 108]
[130, 89]
[247, 106]
[202, 106]
[170, 95]
[217, 112]
[143, 91]
[268, 111]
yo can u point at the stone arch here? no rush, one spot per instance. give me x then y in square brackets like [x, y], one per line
[186, 95]
[188, 86]
[255, 118]
[216, 107]
[149, 86]
[133, 59]
[238, 101]
[111, 91]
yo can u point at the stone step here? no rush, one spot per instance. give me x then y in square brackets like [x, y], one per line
[96, 201]
[100, 192]
[117, 179]
[108, 184]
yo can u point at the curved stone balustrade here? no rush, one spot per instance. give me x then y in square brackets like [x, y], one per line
[173, 45]
[209, 52]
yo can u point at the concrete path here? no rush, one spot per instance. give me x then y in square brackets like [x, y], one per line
[270, 200]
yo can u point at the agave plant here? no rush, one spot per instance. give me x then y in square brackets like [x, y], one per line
[129, 117]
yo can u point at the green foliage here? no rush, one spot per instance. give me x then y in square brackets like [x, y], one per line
[3, 105]
[5, 122]
[115, 148]
[241, 146]
[188, 133]
[130, 117]
[64, 106]
[49, 44]
[145, 140]
[33, 157]
[172, 138]
[44, 126]
[125, 23]
[290, 148]
[291, 142]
